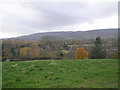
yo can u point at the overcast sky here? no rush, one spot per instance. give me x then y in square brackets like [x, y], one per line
[26, 17]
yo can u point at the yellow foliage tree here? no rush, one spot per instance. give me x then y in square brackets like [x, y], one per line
[34, 50]
[24, 51]
[115, 55]
[81, 53]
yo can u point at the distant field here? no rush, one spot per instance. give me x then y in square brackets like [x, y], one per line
[61, 74]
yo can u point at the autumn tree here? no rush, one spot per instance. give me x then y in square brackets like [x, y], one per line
[81, 53]
[3, 53]
[34, 50]
[6, 49]
[115, 55]
[51, 46]
[24, 51]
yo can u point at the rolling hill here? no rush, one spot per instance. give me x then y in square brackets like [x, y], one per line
[78, 35]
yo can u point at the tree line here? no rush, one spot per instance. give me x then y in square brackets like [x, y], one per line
[49, 47]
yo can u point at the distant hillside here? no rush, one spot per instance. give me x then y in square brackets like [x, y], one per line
[78, 35]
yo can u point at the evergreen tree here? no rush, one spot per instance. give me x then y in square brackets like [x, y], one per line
[13, 51]
[98, 51]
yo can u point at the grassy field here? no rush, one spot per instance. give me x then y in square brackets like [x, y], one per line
[61, 74]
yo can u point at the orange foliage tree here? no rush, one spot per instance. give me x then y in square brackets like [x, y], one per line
[81, 53]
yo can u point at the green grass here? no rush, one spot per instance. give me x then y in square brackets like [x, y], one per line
[61, 74]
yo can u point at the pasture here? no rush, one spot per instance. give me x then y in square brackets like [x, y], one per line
[96, 73]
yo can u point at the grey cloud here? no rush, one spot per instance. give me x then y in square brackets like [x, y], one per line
[61, 14]
[57, 15]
